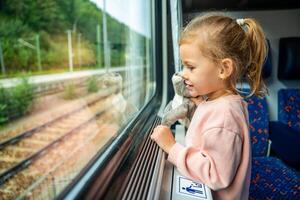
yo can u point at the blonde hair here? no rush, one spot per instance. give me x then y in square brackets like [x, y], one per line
[220, 37]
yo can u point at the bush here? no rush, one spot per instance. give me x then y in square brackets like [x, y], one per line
[23, 95]
[92, 84]
[5, 106]
[3, 118]
[16, 101]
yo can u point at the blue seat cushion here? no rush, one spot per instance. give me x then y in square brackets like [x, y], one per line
[271, 179]
[285, 143]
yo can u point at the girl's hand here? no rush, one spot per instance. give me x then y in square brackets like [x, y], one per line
[164, 138]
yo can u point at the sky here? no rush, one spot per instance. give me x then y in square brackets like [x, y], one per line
[134, 13]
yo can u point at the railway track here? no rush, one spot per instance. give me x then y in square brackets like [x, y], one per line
[57, 150]
[21, 152]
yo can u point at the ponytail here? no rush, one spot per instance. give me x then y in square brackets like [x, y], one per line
[258, 51]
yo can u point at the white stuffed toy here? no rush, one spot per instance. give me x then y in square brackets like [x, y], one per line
[120, 107]
[181, 108]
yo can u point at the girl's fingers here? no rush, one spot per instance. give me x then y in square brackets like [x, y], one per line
[155, 133]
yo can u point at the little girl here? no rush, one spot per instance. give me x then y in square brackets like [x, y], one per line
[217, 52]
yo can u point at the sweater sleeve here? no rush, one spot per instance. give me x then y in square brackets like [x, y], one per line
[215, 163]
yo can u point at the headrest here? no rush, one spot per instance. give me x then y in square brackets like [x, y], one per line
[289, 59]
[267, 67]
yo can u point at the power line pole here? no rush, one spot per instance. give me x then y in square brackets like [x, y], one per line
[106, 53]
[98, 46]
[70, 50]
[79, 49]
[2, 60]
[38, 52]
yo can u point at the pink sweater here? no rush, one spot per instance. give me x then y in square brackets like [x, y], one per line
[218, 149]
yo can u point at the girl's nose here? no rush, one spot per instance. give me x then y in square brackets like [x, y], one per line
[184, 74]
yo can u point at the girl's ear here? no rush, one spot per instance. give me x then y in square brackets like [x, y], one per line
[226, 68]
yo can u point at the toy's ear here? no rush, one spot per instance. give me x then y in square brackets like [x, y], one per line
[176, 80]
[179, 85]
[226, 68]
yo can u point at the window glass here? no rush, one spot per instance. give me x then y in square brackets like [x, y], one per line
[73, 74]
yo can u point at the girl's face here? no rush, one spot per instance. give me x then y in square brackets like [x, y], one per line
[201, 74]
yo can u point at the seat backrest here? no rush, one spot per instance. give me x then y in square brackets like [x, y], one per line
[259, 125]
[289, 107]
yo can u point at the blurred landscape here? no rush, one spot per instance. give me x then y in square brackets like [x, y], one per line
[34, 36]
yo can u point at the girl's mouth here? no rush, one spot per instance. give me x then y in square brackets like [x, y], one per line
[188, 85]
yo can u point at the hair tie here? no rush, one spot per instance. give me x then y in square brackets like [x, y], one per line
[240, 22]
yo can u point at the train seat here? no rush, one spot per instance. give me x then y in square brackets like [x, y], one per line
[285, 133]
[270, 177]
[289, 108]
[258, 125]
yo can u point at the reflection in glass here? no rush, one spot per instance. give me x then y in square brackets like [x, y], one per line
[68, 85]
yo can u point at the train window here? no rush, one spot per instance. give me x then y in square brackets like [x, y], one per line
[86, 71]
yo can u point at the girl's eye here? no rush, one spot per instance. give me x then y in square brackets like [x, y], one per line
[190, 67]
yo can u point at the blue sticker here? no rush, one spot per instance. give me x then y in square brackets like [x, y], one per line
[191, 188]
